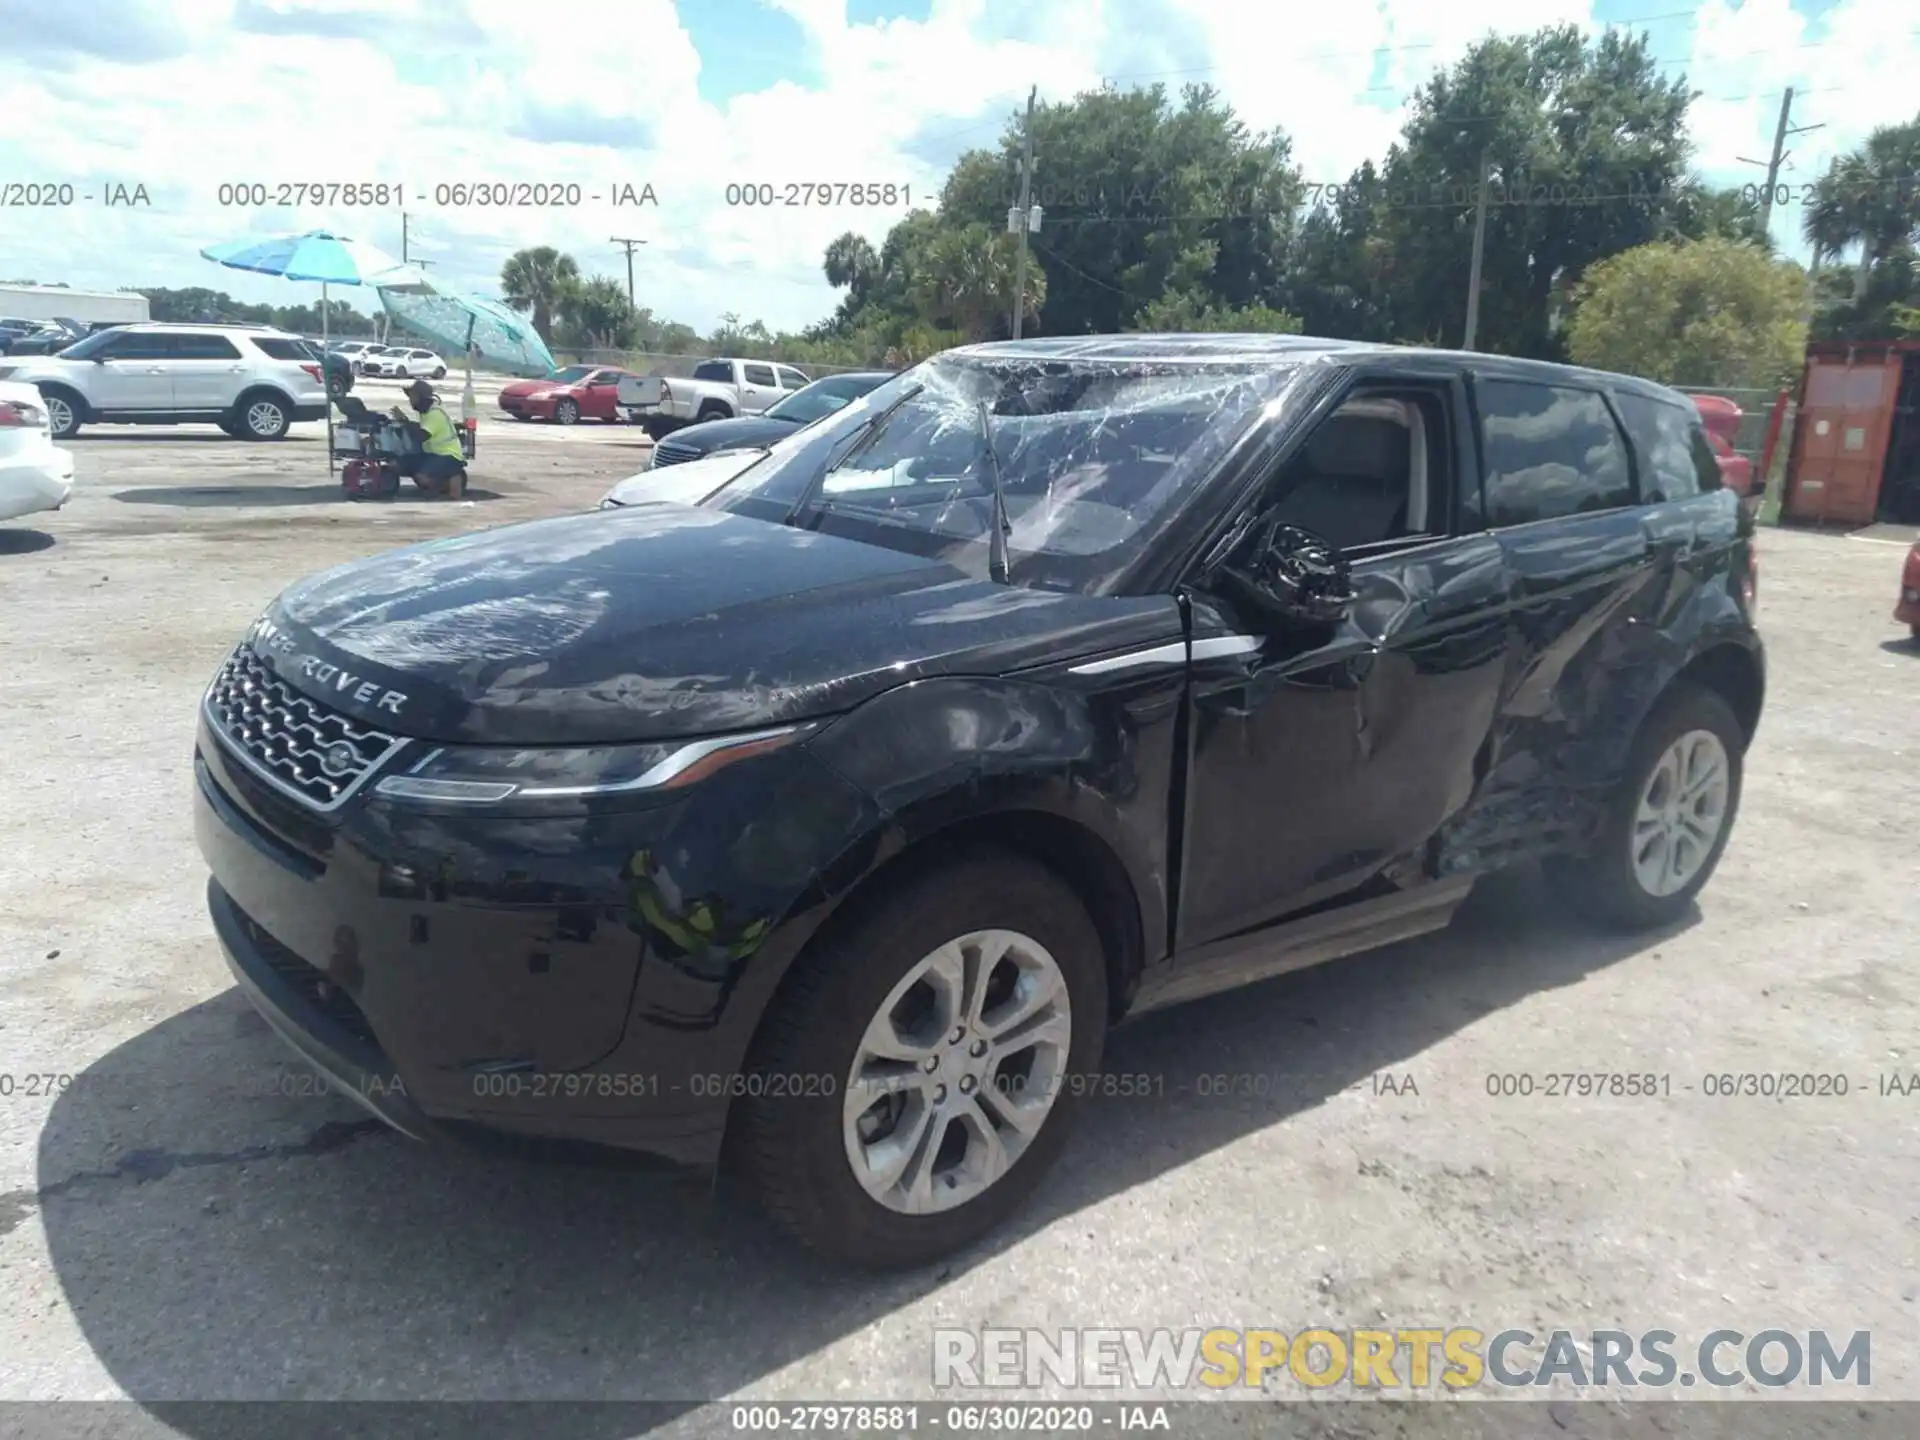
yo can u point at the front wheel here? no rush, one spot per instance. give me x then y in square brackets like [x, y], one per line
[566, 412]
[1668, 820]
[63, 413]
[921, 1068]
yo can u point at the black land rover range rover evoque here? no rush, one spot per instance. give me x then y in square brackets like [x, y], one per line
[839, 817]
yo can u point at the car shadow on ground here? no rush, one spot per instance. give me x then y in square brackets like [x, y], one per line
[1903, 645]
[178, 435]
[23, 542]
[251, 496]
[222, 1234]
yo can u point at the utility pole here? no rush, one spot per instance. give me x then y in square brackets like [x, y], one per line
[1027, 220]
[403, 237]
[1479, 255]
[630, 245]
[1782, 132]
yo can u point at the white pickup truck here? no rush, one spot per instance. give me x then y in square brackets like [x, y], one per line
[717, 390]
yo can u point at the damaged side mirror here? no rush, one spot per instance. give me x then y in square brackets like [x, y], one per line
[1289, 577]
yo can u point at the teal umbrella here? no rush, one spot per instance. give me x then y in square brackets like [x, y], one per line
[479, 328]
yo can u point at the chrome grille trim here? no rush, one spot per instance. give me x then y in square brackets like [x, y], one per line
[667, 453]
[281, 735]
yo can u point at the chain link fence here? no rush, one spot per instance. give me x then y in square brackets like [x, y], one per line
[680, 367]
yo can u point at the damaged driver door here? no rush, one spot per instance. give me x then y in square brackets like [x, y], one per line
[1327, 748]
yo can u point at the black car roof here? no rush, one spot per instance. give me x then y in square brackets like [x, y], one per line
[1254, 349]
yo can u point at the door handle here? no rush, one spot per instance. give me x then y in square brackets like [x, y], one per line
[156, 370]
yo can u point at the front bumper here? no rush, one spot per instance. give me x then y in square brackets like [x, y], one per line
[42, 480]
[532, 976]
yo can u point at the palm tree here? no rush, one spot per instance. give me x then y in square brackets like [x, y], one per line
[1869, 198]
[852, 265]
[539, 280]
[966, 277]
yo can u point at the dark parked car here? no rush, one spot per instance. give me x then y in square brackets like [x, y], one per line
[339, 368]
[1052, 681]
[746, 432]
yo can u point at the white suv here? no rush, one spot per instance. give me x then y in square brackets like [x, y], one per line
[251, 381]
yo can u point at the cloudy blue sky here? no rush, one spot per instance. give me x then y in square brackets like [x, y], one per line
[689, 95]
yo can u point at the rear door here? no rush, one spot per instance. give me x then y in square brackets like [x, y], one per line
[1559, 492]
[208, 371]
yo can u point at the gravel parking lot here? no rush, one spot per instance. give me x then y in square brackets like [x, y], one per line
[185, 1218]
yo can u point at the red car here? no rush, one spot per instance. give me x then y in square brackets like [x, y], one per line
[570, 394]
[1908, 610]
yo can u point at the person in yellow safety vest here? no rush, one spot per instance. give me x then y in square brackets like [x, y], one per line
[441, 464]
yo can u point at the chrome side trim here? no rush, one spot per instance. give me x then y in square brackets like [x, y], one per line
[1173, 653]
[1216, 646]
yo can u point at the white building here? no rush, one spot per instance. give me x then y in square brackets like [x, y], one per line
[52, 302]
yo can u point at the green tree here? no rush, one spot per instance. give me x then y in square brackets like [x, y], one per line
[965, 279]
[1587, 151]
[852, 265]
[1190, 312]
[538, 280]
[1869, 202]
[1703, 312]
[595, 314]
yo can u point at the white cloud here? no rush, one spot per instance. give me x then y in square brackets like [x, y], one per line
[183, 95]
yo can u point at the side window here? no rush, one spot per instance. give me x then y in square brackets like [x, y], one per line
[204, 347]
[1549, 451]
[714, 370]
[276, 348]
[1677, 460]
[791, 379]
[141, 345]
[758, 374]
[1378, 469]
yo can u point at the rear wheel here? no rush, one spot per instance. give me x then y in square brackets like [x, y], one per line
[921, 1069]
[712, 412]
[1668, 820]
[439, 372]
[262, 417]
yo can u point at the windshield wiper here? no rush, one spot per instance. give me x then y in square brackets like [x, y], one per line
[869, 433]
[998, 567]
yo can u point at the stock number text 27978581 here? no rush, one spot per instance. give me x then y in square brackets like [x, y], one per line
[823, 193]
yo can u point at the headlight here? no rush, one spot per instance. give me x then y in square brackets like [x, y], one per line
[489, 775]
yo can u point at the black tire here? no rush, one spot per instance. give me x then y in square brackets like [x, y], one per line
[439, 372]
[338, 384]
[250, 410]
[70, 405]
[712, 412]
[1602, 885]
[789, 1138]
[566, 412]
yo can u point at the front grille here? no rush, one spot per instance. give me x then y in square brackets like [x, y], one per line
[299, 746]
[668, 453]
[313, 984]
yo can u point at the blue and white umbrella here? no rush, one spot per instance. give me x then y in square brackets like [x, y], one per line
[317, 255]
[479, 328]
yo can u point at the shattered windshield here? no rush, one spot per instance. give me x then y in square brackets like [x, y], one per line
[1093, 455]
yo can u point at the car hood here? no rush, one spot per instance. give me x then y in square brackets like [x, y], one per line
[689, 482]
[657, 622]
[532, 387]
[712, 435]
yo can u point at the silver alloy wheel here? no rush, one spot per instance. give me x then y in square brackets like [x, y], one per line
[265, 418]
[957, 1072]
[1682, 809]
[59, 414]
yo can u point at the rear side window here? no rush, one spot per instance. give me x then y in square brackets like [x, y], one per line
[278, 349]
[1676, 458]
[204, 347]
[714, 370]
[1550, 451]
[759, 374]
